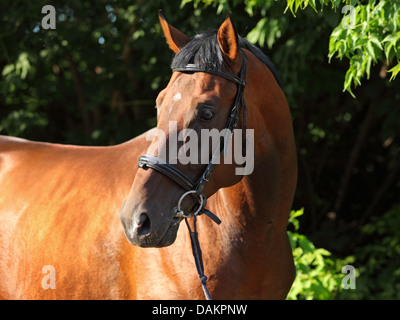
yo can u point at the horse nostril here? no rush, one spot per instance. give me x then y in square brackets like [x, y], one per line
[143, 226]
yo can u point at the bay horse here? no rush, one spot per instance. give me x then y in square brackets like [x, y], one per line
[60, 205]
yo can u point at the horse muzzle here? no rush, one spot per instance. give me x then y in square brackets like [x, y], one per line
[145, 231]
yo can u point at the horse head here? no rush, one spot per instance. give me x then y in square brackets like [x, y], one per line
[205, 94]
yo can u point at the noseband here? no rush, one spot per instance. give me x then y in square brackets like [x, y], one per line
[196, 189]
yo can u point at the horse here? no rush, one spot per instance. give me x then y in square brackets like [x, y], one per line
[80, 222]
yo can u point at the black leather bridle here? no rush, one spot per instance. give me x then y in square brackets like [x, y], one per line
[196, 189]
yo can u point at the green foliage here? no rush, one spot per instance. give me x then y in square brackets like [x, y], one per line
[92, 80]
[368, 33]
[18, 121]
[372, 37]
[378, 262]
[316, 274]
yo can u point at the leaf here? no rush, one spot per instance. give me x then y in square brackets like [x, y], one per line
[292, 240]
[370, 50]
[257, 35]
[313, 5]
[375, 41]
[390, 43]
[293, 218]
[306, 245]
[388, 48]
[393, 37]
[7, 70]
[297, 213]
[290, 4]
[23, 66]
[368, 68]
[395, 70]
[347, 82]
[323, 252]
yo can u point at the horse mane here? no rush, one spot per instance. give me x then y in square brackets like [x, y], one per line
[204, 50]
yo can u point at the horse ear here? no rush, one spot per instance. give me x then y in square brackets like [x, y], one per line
[229, 42]
[175, 39]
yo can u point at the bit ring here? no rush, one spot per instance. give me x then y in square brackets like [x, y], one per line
[180, 213]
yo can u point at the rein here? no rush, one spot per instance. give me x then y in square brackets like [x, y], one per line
[196, 189]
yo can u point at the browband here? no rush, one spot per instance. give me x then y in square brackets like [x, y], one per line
[195, 68]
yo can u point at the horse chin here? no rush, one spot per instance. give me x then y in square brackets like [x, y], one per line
[168, 238]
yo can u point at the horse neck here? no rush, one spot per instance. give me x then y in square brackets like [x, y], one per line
[249, 207]
[253, 205]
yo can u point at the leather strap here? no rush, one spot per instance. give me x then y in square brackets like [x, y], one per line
[195, 68]
[149, 161]
[160, 165]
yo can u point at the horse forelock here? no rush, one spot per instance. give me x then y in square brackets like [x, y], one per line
[204, 50]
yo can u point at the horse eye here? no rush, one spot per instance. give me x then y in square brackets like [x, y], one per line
[206, 114]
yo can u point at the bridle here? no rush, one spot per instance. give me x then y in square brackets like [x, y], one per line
[196, 189]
